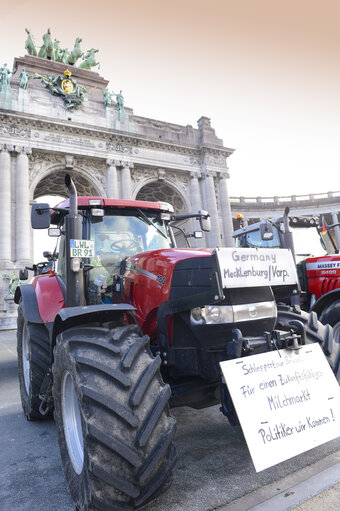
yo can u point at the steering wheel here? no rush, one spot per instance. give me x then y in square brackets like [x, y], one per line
[132, 244]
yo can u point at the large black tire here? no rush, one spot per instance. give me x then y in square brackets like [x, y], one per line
[33, 363]
[312, 331]
[331, 316]
[115, 431]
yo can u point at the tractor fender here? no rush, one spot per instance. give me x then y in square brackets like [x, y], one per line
[43, 298]
[325, 300]
[50, 294]
[26, 293]
[75, 316]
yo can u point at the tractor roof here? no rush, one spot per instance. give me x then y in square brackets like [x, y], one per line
[118, 203]
[100, 202]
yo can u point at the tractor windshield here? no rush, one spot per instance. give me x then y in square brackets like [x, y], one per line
[253, 239]
[118, 235]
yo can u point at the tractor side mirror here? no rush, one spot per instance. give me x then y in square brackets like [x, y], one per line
[204, 219]
[266, 231]
[198, 235]
[40, 216]
[23, 274]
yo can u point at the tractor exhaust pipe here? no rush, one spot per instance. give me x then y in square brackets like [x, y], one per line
[73, 195]
[73, 231]
[288, 235]
[289, 243]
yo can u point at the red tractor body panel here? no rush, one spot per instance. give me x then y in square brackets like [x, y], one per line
[147, 281]
[49, 296]
[323, 274]
[116, 203]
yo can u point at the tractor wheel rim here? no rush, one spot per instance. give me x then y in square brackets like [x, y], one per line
[72, 423]
[336, 332]
[26, 357]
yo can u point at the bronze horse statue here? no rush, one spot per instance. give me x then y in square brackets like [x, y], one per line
[47, 49]
[75, 54]
[29, 44]
[90, 60]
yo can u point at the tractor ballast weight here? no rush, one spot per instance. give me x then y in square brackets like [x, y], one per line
[109, 337]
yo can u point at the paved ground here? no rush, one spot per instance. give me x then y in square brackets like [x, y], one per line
[329, 500]
[214, 469]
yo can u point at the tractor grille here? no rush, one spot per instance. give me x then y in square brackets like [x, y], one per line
[192, 276]
[328, 284]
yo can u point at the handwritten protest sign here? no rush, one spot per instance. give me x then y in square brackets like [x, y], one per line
[287, 402]
[256, 267]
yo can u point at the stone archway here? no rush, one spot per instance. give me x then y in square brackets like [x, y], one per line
[160, 191]
[52, 182]
[49, 186]
[163, 192]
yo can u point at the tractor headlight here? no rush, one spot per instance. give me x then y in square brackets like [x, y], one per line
[197, 315]
[217, 314]
[252, 311]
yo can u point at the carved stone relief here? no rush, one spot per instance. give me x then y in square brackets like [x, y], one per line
[52, 183]
[180, 180]
[39, 162]
[121, 148]
[216, 161]
[14, 131]
[142, 174]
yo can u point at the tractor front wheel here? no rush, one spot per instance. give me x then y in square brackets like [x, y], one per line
[115, 431]
[313, 331]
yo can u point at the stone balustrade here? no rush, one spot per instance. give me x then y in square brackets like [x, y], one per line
[308, 204]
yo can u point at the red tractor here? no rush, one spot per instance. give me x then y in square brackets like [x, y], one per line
[319, 277]
[120, 324]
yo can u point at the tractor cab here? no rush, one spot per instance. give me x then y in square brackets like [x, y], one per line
[114, 230]
[253, 236]
[97, 235]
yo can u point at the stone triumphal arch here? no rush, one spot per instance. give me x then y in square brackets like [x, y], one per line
[56, 118]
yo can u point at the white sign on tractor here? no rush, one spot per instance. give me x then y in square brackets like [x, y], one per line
[287, 402]
[249, 267]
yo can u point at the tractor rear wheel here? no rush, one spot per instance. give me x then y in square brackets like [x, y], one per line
[313, 331]
[115, 431]
[33, 364]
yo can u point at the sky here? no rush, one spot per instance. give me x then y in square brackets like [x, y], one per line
[265, 72]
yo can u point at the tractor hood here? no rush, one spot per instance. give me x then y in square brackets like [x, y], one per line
[155, 268]
[151, 278]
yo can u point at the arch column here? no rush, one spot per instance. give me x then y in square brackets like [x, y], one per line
[211, 206]
[126, 180]
[195, 194]
[225, 209]
[111, 180]
[196, 205]
[22, 218]
[5, 206]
